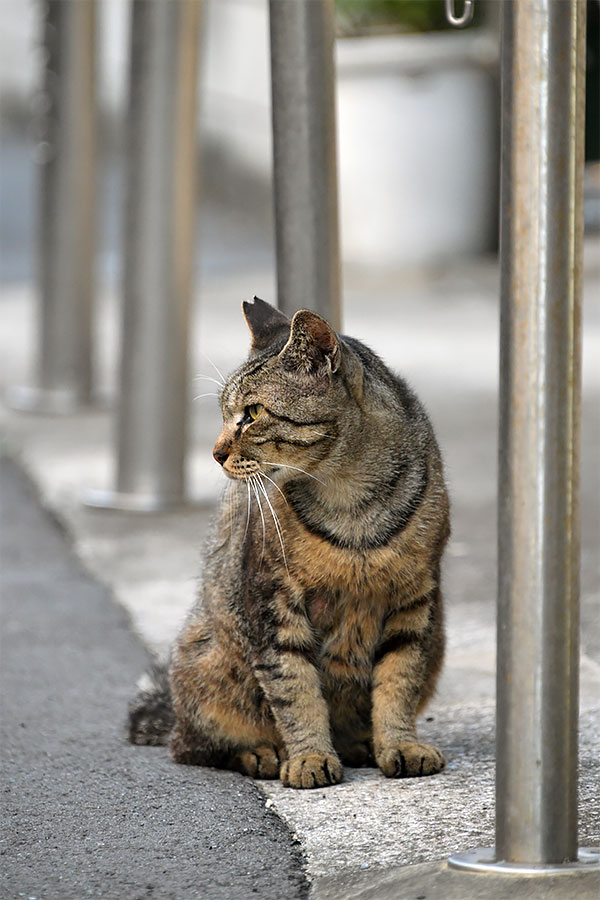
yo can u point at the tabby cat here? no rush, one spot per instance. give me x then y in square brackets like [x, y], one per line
[318, 634]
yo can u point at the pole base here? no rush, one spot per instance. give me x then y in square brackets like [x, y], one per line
[483, 860]
[46, 401]
[124, 501]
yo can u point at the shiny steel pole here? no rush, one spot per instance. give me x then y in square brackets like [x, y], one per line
[65, 155]
[304, 156]
[540, 409]
[158, 243]
[540, 404]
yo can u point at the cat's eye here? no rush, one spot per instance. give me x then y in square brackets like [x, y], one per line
[254, 411]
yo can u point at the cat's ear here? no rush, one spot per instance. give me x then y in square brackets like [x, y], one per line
[265, 323]
[313, 346]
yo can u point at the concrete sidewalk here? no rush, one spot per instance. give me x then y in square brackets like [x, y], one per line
[442, 335]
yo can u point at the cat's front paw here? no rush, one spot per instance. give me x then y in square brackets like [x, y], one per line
[410, 759]
[312, 770]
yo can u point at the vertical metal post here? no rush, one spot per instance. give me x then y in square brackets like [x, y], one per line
[158, 242]
[65, 154]
[304, 157]
[540, 401]
[540, 406]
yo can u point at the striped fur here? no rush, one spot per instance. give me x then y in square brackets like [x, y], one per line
[318, 632]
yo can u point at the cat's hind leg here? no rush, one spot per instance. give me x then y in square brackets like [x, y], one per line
[221, 716]
[260, 762]
[190, 745]
[195, 745]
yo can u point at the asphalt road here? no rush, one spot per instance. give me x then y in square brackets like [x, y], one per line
[84, 813]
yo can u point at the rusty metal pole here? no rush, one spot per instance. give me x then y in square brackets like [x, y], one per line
[540, 401]
[304, 156]
[65, 154]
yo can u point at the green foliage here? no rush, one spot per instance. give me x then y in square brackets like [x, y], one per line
[362, 16]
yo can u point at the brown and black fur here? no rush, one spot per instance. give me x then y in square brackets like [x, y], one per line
[318, 633]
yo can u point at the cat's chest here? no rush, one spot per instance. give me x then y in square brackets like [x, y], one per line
[332, 612]
[370, 582]
[321, 608]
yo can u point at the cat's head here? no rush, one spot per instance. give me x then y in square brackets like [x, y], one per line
[284, 409]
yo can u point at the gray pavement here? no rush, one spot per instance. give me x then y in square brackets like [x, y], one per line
[85, 814]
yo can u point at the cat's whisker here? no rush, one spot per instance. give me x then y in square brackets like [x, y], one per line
[275, 521]
[320, 433]
[199, 396]
[209, 378]
[215, 367]
[256, 494]
[298, 469]
[248, 512]
[264, 475]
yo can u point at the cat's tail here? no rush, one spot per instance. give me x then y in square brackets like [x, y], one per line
[151, 716]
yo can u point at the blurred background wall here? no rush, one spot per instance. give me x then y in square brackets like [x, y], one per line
[417, 118]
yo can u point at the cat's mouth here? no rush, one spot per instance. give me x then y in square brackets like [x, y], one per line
[241, 469]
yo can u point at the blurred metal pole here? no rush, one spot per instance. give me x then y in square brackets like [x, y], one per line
[540, 403]
[304, 157]
[158, 243]
[65, 154]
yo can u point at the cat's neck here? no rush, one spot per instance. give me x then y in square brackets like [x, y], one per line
[360, 507]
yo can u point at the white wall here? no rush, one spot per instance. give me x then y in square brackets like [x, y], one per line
[19, 30]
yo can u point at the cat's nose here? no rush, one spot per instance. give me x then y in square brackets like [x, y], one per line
[220, 454]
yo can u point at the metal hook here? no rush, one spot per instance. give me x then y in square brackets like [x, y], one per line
[460, 21]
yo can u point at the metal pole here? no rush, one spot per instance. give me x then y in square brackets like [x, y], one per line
[304, 157]
[65, 154]
[158, 241]
[540, 403]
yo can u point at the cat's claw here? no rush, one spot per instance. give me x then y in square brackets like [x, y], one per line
[410, 759]
[312, 770]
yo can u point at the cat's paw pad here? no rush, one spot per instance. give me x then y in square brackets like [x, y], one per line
[410, 759]
[312, 770]
[261, 762]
